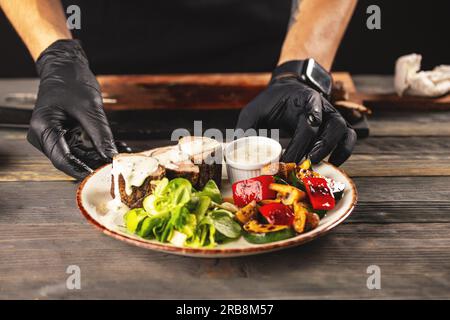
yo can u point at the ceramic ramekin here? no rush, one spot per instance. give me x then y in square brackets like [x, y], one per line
[238, 171]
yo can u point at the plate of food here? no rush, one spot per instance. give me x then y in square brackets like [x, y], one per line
[180, 199]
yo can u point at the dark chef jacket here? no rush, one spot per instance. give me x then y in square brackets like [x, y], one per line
[180, 36]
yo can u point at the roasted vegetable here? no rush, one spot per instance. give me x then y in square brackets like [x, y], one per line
[300, 213]
[288, 194]
[277, 179]
[301, 172]
[296, 182]
[256, 227]
[277, 214]
[319, 193]
[280, 169]
[312, 221]
[320, 213]
[262, 238]
[305, 165]
[257, 189]
[247, 213]
[269, 201]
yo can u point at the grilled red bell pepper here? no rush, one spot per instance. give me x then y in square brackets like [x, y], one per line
[278, 214]
[319, 193]
[257, 189]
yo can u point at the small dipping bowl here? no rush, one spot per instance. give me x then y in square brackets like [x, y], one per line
[241, 160]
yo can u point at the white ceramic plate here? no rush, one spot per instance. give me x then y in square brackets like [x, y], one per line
[93, 194]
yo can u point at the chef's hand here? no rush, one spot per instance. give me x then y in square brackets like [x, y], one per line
[317, 129]
[68, 123]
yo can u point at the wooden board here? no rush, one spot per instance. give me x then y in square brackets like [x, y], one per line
[377, 93]
[233, 91]
[194, 92]
[207, 92]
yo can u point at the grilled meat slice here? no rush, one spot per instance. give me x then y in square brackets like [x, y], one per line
[197, 159]
[134, 200]
[131, 177]
[185, 169]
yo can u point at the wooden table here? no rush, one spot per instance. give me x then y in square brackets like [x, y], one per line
[401, 224]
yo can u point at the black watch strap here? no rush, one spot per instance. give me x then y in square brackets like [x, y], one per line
[298, 69]
[294, 67]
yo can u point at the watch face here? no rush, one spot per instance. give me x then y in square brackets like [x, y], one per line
[318, 76]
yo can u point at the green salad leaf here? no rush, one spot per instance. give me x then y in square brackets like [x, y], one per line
[212, 191]
[176, 212]
[204, 235]
[134, 219]
[160, 185]
[202, 207]
[176, 193]
[225, 225]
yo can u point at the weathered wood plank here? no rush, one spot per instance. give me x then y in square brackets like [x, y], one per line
[397, 165]
[413, 259]
[402, 199]
[410, 124]
[401, 212]
[404, 146]
[46, 237]
[375, 156]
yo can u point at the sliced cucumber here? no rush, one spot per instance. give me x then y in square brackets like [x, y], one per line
[262, 238]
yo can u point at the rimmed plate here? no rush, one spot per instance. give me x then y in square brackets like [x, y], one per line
[93, 194]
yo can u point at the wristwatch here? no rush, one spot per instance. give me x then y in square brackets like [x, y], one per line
[308, 71]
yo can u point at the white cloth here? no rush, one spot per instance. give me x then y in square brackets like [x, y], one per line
[409, 80]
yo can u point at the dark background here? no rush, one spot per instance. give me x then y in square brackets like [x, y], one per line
[195, 36]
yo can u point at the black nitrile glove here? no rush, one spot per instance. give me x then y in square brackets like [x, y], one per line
[68, 123]
[314, 124]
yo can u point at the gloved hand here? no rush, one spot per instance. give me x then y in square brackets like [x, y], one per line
[317, 129]
[68, 123]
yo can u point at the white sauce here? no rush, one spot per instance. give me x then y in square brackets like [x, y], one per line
[197, 145]
[171, 157]
[134, 168]
[200, 149]
[251, 153]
